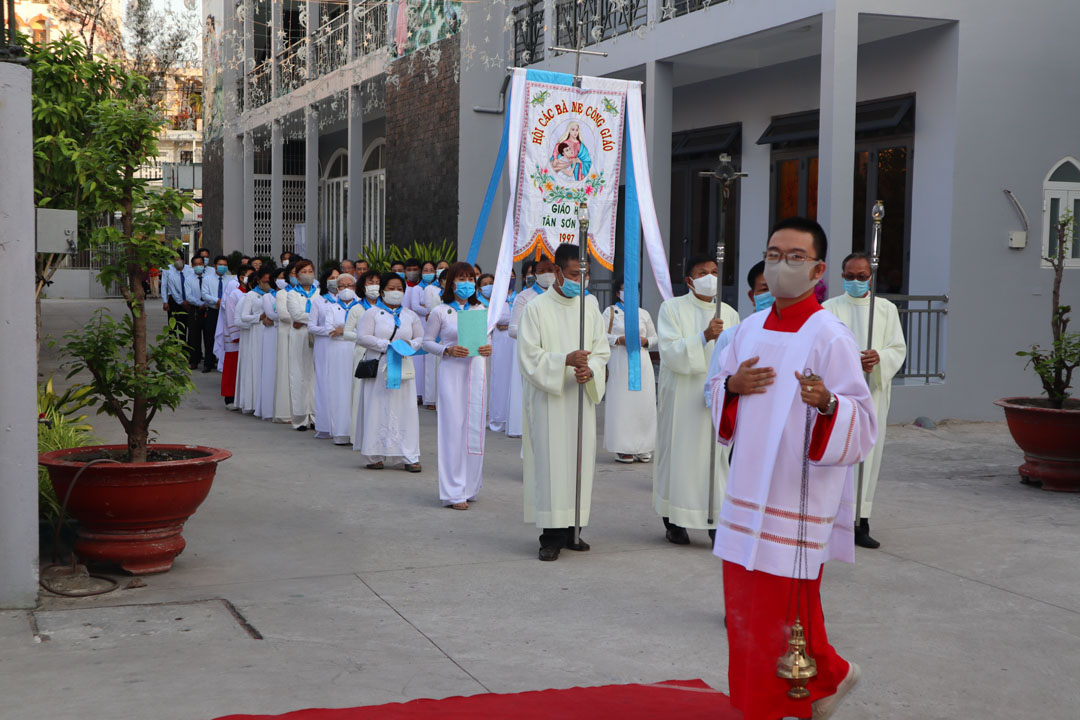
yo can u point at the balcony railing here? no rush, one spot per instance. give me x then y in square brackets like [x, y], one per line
[331, 45]
[369, 26]
[259, 86]
[922, 318]
[528, 33]
[674, 8]
[292, 67]
[599, 20]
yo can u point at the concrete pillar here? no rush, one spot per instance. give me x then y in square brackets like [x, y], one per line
[249, 50]
[249, 192]
[658, 106]
[311, 183]
[277, 161]
[352, 32]
[312, 25]
[233, 214]
[276, 31]
[18, 411]
[836, 150]
[355, 227]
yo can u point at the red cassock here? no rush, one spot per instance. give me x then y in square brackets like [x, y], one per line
[228, 374]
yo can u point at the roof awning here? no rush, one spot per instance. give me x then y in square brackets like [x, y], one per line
[873, 116]
[707, 141]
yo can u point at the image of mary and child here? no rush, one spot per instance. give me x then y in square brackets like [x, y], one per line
[571, 157]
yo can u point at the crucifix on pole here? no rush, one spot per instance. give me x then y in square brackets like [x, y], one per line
[583, 241]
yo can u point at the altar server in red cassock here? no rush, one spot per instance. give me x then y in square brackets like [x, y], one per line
[759, 398]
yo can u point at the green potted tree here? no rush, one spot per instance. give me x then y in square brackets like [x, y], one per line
[1048, 429]
[96, 124]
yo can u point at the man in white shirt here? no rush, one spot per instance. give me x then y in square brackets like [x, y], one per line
[175, 298]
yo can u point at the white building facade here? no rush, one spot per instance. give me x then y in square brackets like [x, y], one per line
[933, 106]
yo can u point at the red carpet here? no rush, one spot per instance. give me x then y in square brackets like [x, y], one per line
[682, 699]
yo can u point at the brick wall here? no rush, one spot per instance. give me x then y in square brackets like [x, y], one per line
[422, 147]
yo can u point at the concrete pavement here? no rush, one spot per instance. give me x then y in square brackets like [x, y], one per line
[358, 588]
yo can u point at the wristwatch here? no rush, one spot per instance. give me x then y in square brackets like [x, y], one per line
[831, 407]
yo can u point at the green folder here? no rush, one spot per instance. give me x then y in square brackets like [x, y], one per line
[472, 330]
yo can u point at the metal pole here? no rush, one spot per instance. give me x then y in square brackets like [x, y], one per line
[583, 239]
[878, 214]
[726, 174]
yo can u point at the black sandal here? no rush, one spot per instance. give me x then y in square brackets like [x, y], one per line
[374, 466]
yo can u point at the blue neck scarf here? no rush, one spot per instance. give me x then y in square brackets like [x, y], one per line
[345, 307]
[483, 300]
[621, 306]
[511, 297]
[310, 293]
[457, 306]
[365, 303]
[395, 313]
[259, 290]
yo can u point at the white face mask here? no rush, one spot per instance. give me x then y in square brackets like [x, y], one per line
[393, 297]
[346, 295]
[371, 292]
[705, 286]
[785, 281]
[620, 296]
[545, 280]
[281, 284]
[331, 284]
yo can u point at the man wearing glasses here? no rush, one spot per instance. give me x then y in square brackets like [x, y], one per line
[787, 372]
[881, 362]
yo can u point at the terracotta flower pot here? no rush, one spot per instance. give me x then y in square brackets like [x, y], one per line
[131, 514]
[1050, 440]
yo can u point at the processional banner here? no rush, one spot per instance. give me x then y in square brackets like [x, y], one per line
[570, 152]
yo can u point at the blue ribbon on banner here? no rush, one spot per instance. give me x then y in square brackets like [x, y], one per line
[631, 268]
[397, 350]
[553, 78]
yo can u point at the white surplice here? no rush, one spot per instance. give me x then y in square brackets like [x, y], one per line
[546, 333]
[503, 360]
[513, 403]
[432, 300]
[462, 405]
[629, 415]
[319, 329]
[264, 383]
[338, 380]
[228, 285]
[389, 427]
[892, 351]
[301, 360]
[684, 426]
[282, 413]
[760, 517]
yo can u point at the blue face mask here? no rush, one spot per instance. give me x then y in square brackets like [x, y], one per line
[199, 269]
[856, 288]
[530, 280]
[399, 274]
[763, 301]
[428, 277]
[570, 288]
[486, 291]
[464, 289]
[292, 281]
[222, 269]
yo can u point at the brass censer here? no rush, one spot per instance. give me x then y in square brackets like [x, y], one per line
[795, 665]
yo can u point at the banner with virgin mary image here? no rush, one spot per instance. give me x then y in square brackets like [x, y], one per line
[570, 152]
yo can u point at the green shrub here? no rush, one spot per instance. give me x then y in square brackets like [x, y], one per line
[59, 427]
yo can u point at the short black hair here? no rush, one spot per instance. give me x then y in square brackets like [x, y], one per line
[283, 254]
[412, 262]
[857, 255]
[696, 260]
[565, 254]
[203, 250]
[806, 225]
[219, 258]
[385, 279]
[527, 266]
[245, 257]
[398, 262]
[755, 272]
[367, 275]
[325, 277]
[263, 270]
[616, 286]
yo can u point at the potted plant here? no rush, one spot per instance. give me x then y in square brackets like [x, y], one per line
[96, 125]
[1048, 429]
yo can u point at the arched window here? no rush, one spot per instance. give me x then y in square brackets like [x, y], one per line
[1061, 196]
[334, 207]
[374, 197]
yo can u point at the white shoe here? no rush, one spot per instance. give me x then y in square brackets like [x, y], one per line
[826, 706]
[624, 459]
[644, 457]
